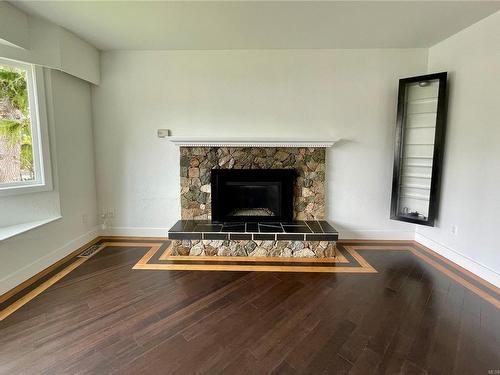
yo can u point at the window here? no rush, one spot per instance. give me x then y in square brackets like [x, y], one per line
[22, 137]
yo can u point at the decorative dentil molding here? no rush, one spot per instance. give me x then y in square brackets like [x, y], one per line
[185, 141]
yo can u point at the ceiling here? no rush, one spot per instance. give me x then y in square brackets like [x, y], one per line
[140, 25]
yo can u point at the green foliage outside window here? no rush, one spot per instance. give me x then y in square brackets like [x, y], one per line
[15, 124]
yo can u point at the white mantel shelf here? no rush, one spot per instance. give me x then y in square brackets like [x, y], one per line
[185, 141]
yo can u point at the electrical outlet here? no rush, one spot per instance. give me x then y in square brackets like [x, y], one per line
[111, 213]
[454, 230]
[85, 219]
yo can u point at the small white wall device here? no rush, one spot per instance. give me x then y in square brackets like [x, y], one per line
[163, 133]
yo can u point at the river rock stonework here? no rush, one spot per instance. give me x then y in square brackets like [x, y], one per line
[196, 163]
[298, 249]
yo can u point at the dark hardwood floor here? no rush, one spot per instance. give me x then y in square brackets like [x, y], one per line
[105, 317]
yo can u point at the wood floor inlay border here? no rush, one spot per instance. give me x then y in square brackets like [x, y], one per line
[480, 287]
[44, 286]
[338, 264]
[78, 261]
[349, 259]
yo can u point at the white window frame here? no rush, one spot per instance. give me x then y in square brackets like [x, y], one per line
[39, 134]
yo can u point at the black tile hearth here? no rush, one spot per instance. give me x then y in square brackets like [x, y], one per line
[315, 227]
[289, 237]
[252, 227]
[296, 229]
[264, 236]
[308, 230]
[233, 227]
[208, 228]
[326, 227]
[270, 228]
[296, 222]
[321, 237]
[240, 236]
[183, 226]
[215, 236]
[185, 235]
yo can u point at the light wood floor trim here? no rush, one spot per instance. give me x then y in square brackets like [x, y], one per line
[4, 297]
[354, 241]
[42, 287]
[146, 258]
[132, 244]
[458, 268]
[258, 268]
[359, 258]
[154, 247]
[456, 277]
[144, 264]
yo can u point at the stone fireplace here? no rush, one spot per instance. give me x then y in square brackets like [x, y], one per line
[196, 164]
[255, 200]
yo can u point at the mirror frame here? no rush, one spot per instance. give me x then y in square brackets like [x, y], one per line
[437, 158]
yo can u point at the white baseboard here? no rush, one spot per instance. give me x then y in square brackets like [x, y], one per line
[14, 279]
[462, 260]
[376, 234]
[135, 231]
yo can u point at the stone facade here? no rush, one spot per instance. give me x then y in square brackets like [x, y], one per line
[299, 249]
[196, 163]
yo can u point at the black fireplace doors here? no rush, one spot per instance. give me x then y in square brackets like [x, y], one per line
[256, 195]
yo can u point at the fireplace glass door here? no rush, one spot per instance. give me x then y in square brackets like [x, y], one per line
[252, 198]
[252, 195]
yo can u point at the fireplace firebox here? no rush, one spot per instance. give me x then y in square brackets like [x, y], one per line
[252, 195]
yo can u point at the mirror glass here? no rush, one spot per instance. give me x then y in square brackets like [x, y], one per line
[419, 129]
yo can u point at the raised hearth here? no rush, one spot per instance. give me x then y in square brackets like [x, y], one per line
[246, 200]
[301, 230]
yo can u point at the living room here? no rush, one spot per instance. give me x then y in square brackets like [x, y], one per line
[320, 177]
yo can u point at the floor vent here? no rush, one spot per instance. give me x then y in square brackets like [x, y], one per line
[87, 253]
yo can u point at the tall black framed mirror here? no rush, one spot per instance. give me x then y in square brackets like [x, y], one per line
[418, 153]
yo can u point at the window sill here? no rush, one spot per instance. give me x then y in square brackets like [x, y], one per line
[14, 230]
[24, 189]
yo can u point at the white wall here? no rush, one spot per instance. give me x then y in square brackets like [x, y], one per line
[470, 196]
[13, 26]
[351, 94]
[73, 162]
[37, 41]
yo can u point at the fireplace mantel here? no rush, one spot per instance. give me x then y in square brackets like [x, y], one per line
[191, 141]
